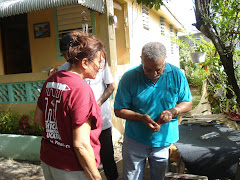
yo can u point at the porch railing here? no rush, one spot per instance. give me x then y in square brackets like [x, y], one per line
[20, 92]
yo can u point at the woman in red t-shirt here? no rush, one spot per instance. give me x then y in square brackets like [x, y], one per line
[70, 115]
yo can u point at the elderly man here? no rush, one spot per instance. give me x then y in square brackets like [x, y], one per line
[150, 97]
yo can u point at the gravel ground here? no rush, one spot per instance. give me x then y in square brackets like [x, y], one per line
[25, 170]
[20, 170]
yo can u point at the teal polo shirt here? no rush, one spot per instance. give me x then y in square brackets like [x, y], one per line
[139, 94]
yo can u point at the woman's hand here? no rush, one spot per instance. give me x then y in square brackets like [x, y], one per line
[38, 117]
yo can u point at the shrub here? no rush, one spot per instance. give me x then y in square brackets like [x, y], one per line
[15, 123]
[221, 96]
[195, 73]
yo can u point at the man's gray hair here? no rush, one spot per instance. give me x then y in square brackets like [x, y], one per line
[153, 51]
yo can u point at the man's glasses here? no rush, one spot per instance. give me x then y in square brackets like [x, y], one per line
[152, 72]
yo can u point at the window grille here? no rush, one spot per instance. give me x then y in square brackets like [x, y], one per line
[172, 35]
[162, 25]
[145, 17]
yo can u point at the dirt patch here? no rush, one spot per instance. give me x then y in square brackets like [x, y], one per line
[20, 170]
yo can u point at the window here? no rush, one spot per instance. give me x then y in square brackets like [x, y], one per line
[71, 17]
[177, 38]
[145, 17]
[162, 25]
[238, 45]
[172, 35]
[171, 31]
[197, 41]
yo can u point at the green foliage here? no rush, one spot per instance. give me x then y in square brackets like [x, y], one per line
[195, 74]
[225, 18]
[220, 94]
[15, 123]
[8, 121]
[151, 3]
[199, 45]
[220, 21]
[236, 56]
[197, 77]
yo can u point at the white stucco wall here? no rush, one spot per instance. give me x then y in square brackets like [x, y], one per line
[138, 36]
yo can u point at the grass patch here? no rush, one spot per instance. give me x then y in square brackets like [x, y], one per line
[195, 103]
[196, 94]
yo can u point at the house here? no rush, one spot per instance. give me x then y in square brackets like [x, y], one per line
[142, 25]
[196, 36]
[30, 33]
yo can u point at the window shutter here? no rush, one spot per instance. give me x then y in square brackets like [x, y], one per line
[145, 17]
[172, 35]
[70, 18]
[162, 25]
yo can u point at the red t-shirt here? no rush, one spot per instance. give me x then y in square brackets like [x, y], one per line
[67, 102]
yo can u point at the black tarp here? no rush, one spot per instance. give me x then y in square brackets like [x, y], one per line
[215, 157]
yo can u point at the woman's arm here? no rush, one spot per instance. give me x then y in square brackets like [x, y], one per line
[38, 118]
[84, 150]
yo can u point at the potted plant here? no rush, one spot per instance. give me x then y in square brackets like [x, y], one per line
[20, 137]
[198, 50]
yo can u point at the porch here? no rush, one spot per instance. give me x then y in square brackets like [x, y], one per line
[19, 92]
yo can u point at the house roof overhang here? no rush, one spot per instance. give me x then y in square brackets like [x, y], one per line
[14, 7]
[165, 12]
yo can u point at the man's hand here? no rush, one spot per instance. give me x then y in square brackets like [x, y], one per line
[155, 127]
[166, 116]
[130, 115]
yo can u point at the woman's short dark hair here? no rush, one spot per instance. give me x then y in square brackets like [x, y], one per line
[65, 42]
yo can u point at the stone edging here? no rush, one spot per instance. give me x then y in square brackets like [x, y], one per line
[22, 147]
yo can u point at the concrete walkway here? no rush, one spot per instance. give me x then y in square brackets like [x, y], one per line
[20, 170]
[23, 170]
[27, 170]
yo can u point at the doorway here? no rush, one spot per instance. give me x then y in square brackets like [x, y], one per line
[16, 49]
[122, 33]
